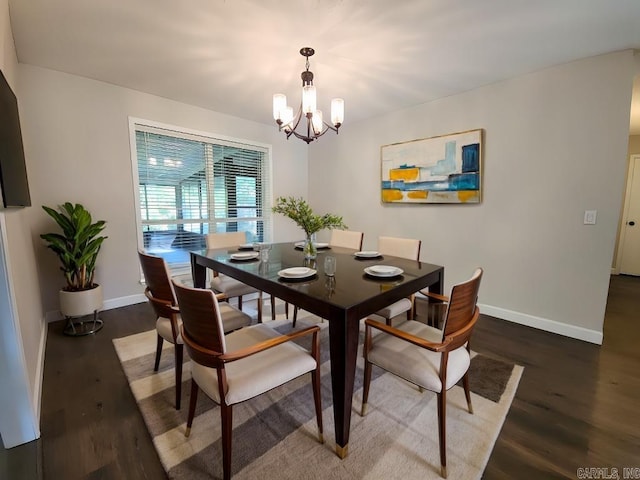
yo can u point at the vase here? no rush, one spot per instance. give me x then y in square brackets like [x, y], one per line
[79, 304]
[310, 250]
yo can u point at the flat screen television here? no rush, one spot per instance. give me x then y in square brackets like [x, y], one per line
[13, 171]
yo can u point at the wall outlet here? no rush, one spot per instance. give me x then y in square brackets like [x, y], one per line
[590, 217]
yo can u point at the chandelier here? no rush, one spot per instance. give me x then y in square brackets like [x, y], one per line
[315, 125]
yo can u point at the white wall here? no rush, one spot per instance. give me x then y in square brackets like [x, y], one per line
[77, 132]
[22, 329]
[555, 145]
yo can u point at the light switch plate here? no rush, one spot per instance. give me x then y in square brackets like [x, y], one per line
[590, 217]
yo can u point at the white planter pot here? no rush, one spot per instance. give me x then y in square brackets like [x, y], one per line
[78, 304]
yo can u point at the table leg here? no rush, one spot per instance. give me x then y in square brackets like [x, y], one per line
[438, 287]
[198, 273]
[343, 340]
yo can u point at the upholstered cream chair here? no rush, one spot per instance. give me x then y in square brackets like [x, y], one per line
[346, 239]
[244, 364]
[408, 248]
[432, 359]
[339, 238]
[231, 287]
[160, 294]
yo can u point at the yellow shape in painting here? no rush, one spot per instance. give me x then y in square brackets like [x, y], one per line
[389, 195]
[418, 194]
[406, 174]
[467, 195]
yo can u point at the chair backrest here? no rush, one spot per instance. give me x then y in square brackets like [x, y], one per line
[201, 324]
[346, 239]
[157, 277]
[408, 248]
[462, 304]
[226, 240]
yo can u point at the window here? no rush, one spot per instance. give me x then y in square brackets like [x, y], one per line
[190, 185]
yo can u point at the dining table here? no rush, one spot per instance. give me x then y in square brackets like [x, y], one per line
[343, 299]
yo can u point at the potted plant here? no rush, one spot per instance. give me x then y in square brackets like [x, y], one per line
[300, 212]
[77, 248]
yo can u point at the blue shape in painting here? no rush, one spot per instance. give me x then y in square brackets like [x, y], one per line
[464, 181]
[471, 158]
[448, 165]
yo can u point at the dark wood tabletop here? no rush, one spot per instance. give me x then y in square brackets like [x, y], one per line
[343, 300]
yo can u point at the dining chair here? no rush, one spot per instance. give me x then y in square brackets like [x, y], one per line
[408, 248]
[160, 293]
[339, 238]
[346, 239]
[244, 364]
[229, 286]
[432, 359]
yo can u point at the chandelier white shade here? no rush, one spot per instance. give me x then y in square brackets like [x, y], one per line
[315, 125]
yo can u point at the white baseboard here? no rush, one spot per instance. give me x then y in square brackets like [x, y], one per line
[124, 301]
[572, 331]
[55, 315]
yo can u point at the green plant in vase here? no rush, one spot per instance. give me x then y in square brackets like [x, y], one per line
[298, 210]
[77, 247]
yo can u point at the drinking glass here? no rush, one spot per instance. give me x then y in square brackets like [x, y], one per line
[330, 265]
[264, 252]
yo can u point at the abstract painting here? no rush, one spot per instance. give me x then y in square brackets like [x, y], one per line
[444, 169]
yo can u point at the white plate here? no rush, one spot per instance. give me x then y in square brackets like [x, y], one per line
[383, 271]
[317, 244]
[245, 255]
[246, 246]
[367, 254]
[297, 272]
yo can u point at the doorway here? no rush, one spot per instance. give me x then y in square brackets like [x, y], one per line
[629, 245]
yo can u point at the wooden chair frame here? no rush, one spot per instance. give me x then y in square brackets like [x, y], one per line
[457, 329]
[213, 357]
[164, 305]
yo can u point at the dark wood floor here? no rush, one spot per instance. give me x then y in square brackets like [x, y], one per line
[576, 406]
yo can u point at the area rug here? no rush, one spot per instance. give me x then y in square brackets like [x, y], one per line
[275, 435]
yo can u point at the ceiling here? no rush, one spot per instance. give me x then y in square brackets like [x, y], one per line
[230, 56]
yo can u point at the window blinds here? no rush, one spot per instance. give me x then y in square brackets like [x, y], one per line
[190, 186]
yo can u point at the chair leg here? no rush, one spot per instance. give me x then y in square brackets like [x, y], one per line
[411, 313]
[295, 316]
[365, 387]
[192, 407]
[226, 414]
[467, 392]
[286, 310]
[317, 400]
[158, 353]
[179, 349]
[442, 431]
[240, 302]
